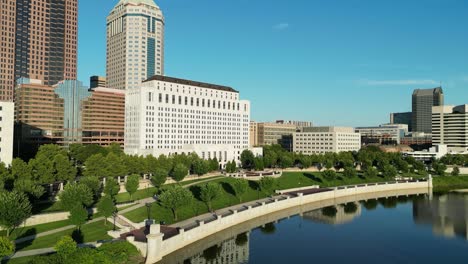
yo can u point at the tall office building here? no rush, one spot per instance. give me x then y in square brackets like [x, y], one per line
[168, 116]
[423, 101]
[450, 127]
[38, 40]
[135, 43]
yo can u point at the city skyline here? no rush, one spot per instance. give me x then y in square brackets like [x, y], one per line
[362, 54]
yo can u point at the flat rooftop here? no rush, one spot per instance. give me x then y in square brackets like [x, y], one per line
[191, 83]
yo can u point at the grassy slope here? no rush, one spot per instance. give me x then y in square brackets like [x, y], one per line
[447, 183]
[36, 229]
[227, 198]
[91, 232]
[141, 194]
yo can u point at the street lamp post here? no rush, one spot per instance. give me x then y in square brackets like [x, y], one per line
[114, 215]
[148, 210]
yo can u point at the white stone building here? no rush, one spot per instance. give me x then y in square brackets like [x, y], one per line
[319, 140]
[135, 43]
[7, 116]
[450, 127]
[173, 116]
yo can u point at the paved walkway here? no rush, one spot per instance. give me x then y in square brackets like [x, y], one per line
[42, 251]
[50, 232]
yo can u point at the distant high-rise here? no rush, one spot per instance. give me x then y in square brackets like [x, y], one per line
[97, 81]
[135, 43]
[423, 101]
[450, 127]
[38, 40]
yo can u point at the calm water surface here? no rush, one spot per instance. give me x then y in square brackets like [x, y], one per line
[392, 230]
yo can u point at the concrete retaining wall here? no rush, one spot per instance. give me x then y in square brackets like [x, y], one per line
[157, 248]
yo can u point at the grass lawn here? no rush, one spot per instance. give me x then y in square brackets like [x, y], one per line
[23, 260]
[145, 193]
[447, 183]
[227, 198]
[49, 207]
[90, 232]
[36, 229]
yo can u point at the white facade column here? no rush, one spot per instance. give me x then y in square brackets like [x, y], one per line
[154, 244]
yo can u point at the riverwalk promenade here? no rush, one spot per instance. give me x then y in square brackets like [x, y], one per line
[157, 241]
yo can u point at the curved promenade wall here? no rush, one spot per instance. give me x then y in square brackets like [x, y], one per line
[157, 248]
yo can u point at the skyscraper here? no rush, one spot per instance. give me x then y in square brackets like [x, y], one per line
[135, 43]
[38, 40]
[423, 101]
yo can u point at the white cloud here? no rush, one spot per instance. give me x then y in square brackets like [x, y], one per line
[400, 82]
[281, 26]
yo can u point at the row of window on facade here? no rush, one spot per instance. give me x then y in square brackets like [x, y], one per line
[184, 100]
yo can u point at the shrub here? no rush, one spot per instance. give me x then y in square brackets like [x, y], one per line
[329, 175]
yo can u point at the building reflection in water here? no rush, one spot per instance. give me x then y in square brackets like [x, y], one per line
[234, 250]
[335, 215]
[448, 214]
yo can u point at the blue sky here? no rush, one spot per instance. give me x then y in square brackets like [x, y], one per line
[347, 62]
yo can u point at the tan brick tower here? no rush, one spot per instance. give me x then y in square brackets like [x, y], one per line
[38, 40]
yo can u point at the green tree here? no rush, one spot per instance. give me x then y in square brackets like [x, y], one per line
[389, 171]
[286, 161]
[159, 177]
[64, 168]
[329, 174]
[106, 207]
[209, 192]
[49, 151]
[42, 169]
[247, 159]
[78, 216]
[266, 184]
[20, 169]
[65, 246]
[214, 165]
[402, 165]
[133, 181]
[371, 172]
[93, 183]
[28, 187]
[231, 167]
[328, 164]
[80, 153]
[455, 171]
[14, 209]
[179, 172]
[258, 164]
[76, 194]
[200, 167]
[115, 148]
[350, 172]
[112, 187]
[115, 166]
[439, 168]
[7, 247]
[4, 174]
[240, 187]
[96, 166]
[175, 197]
